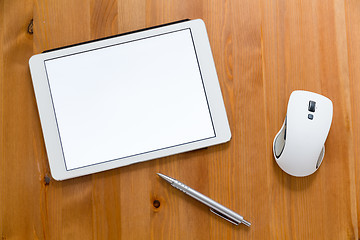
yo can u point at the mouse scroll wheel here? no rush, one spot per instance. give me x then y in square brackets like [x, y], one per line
[312, 106]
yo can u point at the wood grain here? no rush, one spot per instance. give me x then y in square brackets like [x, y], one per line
[263, 50]
[352, 17]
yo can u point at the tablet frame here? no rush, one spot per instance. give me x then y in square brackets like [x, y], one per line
[47, 113]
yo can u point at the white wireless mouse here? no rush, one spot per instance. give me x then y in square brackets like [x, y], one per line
[299, 145]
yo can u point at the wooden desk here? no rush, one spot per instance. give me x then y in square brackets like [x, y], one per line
[263, 50]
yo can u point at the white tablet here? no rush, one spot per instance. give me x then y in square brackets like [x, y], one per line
[128, 98]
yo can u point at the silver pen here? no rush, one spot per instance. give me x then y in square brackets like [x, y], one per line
[215, 207]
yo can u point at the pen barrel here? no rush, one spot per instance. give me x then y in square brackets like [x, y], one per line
[220, 209]
[180, 186]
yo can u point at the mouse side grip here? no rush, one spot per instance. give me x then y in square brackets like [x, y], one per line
[321, 157]
[279, 141]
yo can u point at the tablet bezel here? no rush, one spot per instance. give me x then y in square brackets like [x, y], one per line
[47, 113]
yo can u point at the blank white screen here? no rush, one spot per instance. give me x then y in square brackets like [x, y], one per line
[128, 99]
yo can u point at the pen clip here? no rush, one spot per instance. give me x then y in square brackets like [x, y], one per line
[224, 216]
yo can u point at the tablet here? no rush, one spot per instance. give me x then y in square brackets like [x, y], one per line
[128, 98]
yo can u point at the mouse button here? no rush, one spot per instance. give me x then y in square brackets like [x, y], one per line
[323, 104]
[321, 123]
[325, 112]
[312, 105]
[297, 108]
[321, 157]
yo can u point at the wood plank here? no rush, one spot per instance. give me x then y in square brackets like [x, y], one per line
[21, 177]
[234, 34]
[248, 153]
[352, 9]
[2, 157]
[56, 24]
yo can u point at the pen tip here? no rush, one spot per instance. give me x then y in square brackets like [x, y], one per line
[166, 178]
